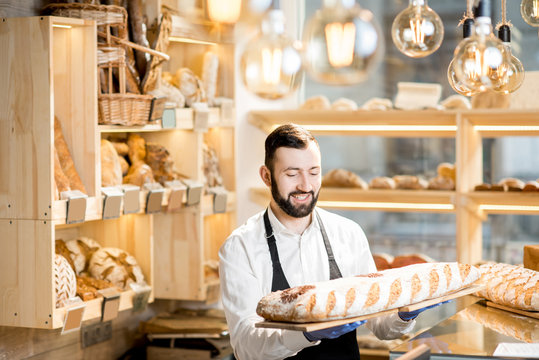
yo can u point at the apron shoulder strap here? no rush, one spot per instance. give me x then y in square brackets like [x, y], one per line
[334, 271]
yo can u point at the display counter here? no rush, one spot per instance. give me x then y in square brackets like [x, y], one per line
[474, 333]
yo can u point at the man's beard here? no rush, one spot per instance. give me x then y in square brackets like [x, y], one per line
[286, 204]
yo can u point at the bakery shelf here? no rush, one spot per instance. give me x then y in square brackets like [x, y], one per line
[387, 200]
[504, 122]
[93, 309]
[94, 210]
[207, 203]
[391, 123]
[506, 202]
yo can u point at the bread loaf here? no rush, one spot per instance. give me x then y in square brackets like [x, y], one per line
[66, 161]
[87, 287]
[81, 250]
[111, 169]
[382, 261]
[410, 182]
[64, 280]
[344, 104]
[116, 266]
[531, 186]
[159, 159]
[61, 180]
[512, 184]
[343, 178]
[366, 294]
[319, 102]
[510, 285]
[441, 183]
[410, 259]
[447, 170]
[519, 327]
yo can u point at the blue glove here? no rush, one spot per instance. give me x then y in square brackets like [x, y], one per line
[410, 315]
[333, 332]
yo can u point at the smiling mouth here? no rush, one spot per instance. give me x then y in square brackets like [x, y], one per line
[300, 197]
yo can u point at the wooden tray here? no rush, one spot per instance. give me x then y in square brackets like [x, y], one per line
[327, 324]
[532, 314]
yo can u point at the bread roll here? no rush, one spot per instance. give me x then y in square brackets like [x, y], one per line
[139, 174]
[382, 182]
[377, 104]
[510, 285]
[512, 184]
[319, 102]
[87, 287]
[344, 104]
[441, 183]
[343, 178]
[447, 170]
[482, 187]
[383, 261]
[111, 170]
[531, 186]
[159, 159]
[365, 294]
[66, 161]
[81, 250]
[410, 182]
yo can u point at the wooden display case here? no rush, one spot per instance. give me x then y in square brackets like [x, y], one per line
[468, 127]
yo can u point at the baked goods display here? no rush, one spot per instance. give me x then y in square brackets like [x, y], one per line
[510, 285]
[139, 172]
[382, 182]
[88, 287]
[212, 173]
[509, 184]
[519, 327]
[116, 266]
[343, 178]
[319, 102]
[366, 294]
[111, 169]
[161, 163]
[81, 250]
[65, 283]
[344, 104]
[65, 159]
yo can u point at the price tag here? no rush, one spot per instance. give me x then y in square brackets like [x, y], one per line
[227, 109]
[110, 305]
[76, 206]
[219, 199]
[141, 297]
[131, 198]
[194, 191]
[201, 117]
[177, 194]
[74, 313]
[112, 202]
[154, 199]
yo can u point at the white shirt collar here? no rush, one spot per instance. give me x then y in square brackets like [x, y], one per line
[278, 227]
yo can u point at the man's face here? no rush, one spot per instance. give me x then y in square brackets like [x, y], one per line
[296, 179]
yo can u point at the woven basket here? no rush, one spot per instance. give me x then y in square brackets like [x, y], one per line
[110, 15]
[124, 109]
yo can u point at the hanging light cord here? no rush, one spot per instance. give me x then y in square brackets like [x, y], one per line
[504, 16]
[469, 12]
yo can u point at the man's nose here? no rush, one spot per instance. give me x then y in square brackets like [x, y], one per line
[304, 183]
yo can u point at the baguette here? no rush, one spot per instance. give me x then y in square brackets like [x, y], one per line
[366, 294]
[510, 285]
[65, 158]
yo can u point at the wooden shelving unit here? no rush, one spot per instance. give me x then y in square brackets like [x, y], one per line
[468, 127]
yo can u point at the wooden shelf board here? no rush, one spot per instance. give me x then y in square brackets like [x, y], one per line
[388, 200]
[93, 308]
[506, 202]
[207, 203]
[391, 123]
[94, 209]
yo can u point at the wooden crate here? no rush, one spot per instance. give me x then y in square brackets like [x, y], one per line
[48, 70]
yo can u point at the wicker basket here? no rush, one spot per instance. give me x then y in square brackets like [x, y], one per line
[124, 109]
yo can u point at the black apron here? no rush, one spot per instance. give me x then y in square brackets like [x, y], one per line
[344, 347]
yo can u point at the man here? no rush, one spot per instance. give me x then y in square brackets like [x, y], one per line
[294, 243]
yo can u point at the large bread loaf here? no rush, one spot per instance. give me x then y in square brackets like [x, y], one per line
[366, 294]
[510, 285]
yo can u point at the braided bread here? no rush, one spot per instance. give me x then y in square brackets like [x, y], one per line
[510, 285]
[366, 294]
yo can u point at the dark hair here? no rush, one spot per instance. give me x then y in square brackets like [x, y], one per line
[288, 135]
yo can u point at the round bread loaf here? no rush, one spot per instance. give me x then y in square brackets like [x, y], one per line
[116, 266]
[319, 102]
[343, 178]
[410, 182]
[513, 184]
[441, 183]
[446, 169]
[382, 182]
[344, 104]
[65, 283]
[81, 250]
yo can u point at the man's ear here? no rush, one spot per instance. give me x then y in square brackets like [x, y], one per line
[265, 174]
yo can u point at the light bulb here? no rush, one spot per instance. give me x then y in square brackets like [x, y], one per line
[417, 31]
[455, 83]
[478, 57]
[224, 11]
[270, 65]
[510, 75]
[342, 43]
[529, 9]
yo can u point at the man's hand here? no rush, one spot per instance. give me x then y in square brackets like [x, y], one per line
[410, 315]
[333, 332]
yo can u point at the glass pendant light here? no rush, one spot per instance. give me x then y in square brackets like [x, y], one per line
[511, 75]
[224, 11]
[478, 57]
[417, 31]
[270, 65]
[529, 9]
[456, 84]
[342, 43]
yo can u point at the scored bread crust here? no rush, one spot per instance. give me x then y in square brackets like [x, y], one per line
[510, 285]
[366, 294]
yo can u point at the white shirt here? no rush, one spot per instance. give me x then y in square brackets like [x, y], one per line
[246, 275]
